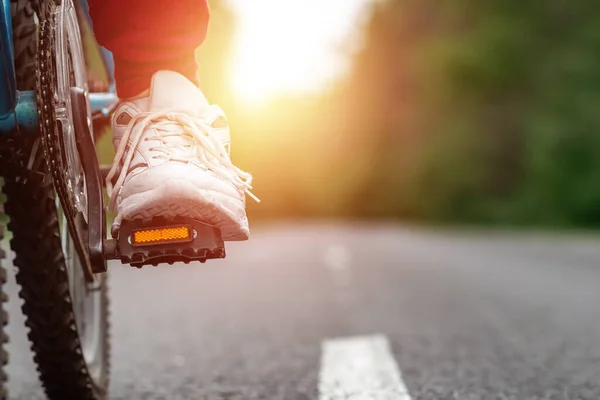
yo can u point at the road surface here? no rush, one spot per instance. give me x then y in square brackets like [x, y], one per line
[353, 311]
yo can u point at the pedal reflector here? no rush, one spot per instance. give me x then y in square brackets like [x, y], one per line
[165, 235]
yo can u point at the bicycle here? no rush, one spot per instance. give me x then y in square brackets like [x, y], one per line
[49, 123]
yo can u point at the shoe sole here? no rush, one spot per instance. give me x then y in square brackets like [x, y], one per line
[180, 198]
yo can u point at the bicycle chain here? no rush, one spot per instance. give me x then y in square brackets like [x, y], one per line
[49, 130]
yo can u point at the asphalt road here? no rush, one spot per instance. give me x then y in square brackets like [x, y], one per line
[467, 316]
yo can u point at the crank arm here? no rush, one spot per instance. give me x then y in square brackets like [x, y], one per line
[96, 216]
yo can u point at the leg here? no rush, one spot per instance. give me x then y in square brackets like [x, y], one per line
[146, 36]
[172, 146]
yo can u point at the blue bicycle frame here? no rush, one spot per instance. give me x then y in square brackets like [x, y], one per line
[18, 109]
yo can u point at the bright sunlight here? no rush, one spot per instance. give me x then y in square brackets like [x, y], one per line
[291, 46]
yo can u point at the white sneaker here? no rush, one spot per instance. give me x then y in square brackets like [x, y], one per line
[173, 160]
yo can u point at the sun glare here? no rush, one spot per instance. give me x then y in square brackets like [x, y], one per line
[286, 46]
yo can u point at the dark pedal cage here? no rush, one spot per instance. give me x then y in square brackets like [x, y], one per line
[206, 243]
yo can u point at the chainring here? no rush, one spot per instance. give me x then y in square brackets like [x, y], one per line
[51, 135]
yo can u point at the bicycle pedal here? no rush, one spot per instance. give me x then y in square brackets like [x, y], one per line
[162, 241]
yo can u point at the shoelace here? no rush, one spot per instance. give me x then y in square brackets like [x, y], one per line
[210, 151]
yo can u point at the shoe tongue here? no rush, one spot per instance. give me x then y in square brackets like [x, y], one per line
[172, 91]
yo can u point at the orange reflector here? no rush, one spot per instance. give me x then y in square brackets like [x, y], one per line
[171, 234]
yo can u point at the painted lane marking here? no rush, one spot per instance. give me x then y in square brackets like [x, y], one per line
[337, 257]
[360, 368]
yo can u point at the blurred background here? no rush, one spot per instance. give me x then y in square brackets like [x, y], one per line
[436, 112]
[462, 112]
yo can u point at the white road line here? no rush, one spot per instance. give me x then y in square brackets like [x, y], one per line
[337, 257]
[360, 368]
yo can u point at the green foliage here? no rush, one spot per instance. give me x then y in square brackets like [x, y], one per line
[455, 111]
[506, 123]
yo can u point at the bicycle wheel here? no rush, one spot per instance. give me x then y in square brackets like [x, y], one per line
[67, 316]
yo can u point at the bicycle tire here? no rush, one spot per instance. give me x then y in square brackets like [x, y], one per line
[42, 270]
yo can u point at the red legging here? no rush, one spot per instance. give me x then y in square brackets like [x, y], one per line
[146, 36]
